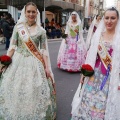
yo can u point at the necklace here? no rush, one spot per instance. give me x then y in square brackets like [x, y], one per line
[30, 25]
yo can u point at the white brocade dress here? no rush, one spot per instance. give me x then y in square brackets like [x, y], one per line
[25, 92]
[72, 53]
[92, 105]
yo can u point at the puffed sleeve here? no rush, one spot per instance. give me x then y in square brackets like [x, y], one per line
[13, 40]
[43, 43]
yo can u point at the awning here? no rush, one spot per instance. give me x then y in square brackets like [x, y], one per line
[48, 3]
[64, 5]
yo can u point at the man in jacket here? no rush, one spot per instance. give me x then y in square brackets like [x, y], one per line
[7, 29]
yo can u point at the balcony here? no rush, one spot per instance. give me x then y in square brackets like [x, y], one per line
[71, 1]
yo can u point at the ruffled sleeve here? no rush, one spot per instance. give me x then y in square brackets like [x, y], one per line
[43, 43]
[13, 40]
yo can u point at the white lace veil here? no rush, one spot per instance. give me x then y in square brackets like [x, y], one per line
[23, 19]
[112, 111]
[77, 17]
[113, 102]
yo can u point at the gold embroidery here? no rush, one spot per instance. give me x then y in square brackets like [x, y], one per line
[34, 51]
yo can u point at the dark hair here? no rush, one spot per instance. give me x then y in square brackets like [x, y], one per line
[53, 19]
[113, 9]
[30, 3]
[97, 16]
[8, 16]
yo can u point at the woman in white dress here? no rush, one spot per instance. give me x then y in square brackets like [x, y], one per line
[92, 29]
[27, 86]
[72, 52]
[99, 98]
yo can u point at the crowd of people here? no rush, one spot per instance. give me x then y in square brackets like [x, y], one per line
[27, 88]
[53, 30]
[6, 28]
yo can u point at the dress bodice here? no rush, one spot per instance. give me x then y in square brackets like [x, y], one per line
[109, 48]
[71, 29]
[38, 38]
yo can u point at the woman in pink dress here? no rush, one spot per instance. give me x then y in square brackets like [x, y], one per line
[72, 51]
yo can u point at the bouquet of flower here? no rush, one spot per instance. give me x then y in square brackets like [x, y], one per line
[77, 29]
[5, 61]
[87, 71]
[64, 36]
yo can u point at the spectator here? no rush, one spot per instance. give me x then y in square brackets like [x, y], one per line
[1, 25]
[42, 25]
[46, 21]
[58, 30]
[12, 22]
[52, 22]
[48, 30]
[2, 20]
[53, 31]
[7, 29]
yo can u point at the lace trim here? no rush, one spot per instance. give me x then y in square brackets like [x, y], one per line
[44, 52]
[12, 47]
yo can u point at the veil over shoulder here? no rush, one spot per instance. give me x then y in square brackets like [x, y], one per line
[25, 91]
[109, 103]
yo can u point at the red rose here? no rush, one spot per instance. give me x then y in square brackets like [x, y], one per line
[87, 70]
[5, 60]
[87, 67]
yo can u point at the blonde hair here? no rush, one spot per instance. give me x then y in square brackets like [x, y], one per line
[30, 3]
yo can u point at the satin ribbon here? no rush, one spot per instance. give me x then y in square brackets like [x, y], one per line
[77, 37]
[106, 77]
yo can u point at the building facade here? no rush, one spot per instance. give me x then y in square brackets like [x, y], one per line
[3, 7]
[99, 6]
[54, 8]
[117, 4]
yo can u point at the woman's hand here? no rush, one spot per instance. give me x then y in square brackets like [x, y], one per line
[2, 69]
[65, 41]
[82, 79]
[76, 30]
[47, 71]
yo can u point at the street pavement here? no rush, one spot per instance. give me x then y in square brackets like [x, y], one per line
[66, 83]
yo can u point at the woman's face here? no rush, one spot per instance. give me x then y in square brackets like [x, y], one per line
[31, 13]
[110, 20]
[74, 17]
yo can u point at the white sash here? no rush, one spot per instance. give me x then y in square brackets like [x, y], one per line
[104, 55]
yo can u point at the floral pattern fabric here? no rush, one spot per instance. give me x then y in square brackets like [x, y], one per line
[72, 52]
[94, 100]
[25, 92]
